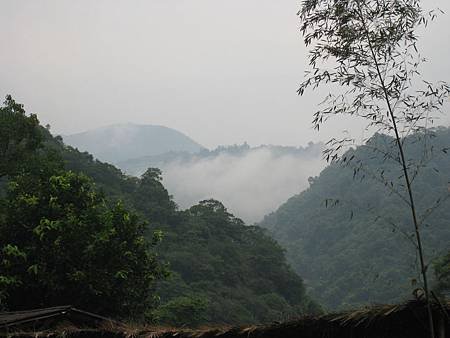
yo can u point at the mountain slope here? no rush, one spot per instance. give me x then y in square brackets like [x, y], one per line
[351, 237]
[126, 141]
[223, 272]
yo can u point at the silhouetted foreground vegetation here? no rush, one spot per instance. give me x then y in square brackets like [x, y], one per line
[78, 231]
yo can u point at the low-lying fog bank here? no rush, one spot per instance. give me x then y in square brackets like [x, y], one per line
[251, 182]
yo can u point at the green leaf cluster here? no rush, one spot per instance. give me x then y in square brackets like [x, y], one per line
[19, 136]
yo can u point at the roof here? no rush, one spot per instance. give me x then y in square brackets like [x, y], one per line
[49, 316]
[402, 320]
[407, 320]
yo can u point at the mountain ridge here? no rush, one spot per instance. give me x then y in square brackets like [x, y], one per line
[352, 238]
[119, 142]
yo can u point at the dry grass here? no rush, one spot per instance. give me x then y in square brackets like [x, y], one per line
[401, 320]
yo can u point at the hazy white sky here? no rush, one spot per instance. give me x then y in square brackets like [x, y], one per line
[220, 71]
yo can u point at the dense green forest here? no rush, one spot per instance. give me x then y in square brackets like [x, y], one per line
[350, 234]
[76, 230]
[222, 271]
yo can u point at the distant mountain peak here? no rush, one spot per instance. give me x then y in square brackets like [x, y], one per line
[119, 142]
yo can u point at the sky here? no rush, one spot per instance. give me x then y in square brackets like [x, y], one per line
[222, 72]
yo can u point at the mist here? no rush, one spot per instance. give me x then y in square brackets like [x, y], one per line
[85, 64]
[250, 185]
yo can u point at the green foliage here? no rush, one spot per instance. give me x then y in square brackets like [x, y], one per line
[183, 311]
[442, 271]
[239, 270]
[152, 199]
[63, 245]
[349, 234]
[61, 241]
[213, 256]
[107, 178]
[19, 136]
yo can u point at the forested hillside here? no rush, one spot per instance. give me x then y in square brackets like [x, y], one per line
[350, 232]
[208, 268]
[231, 174]
[222, 271]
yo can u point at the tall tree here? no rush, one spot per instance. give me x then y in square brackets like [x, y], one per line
[366, 50]
[20, 136]
[60, 242]
[151, 197]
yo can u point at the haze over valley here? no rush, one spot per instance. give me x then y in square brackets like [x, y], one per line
[250, 181]
[200, 168]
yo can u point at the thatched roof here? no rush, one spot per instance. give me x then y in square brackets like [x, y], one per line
[382, 321]
[48, 318]
[408, 320]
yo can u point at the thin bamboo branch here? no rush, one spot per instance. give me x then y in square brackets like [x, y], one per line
[405, 172]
